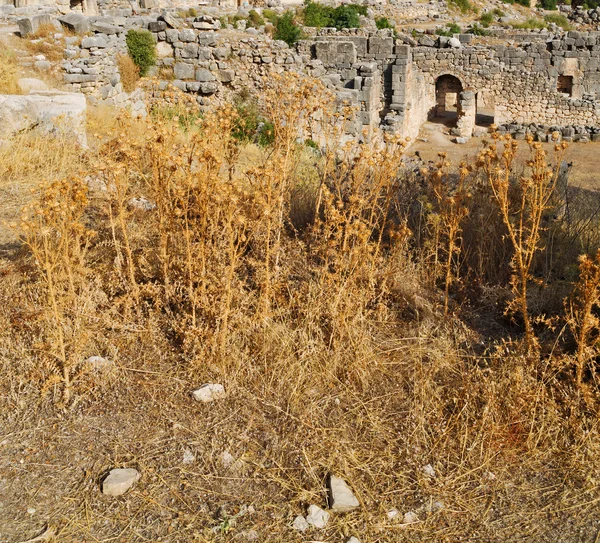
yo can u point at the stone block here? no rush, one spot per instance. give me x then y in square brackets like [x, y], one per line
[76, 22]
[30, 25]
[182, 70]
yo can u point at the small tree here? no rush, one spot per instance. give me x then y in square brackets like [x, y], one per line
[142, 50]
[286, 29]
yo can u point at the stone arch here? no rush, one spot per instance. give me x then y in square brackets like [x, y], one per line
[448, 89]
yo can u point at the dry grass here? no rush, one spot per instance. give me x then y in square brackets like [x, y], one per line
[9, 72]
[130, 73]
[291, 276]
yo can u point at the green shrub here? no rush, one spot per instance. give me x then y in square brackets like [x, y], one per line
[286, 29]
[559, 20]
[255, 19]
[270, 15]
[478, 30]
[530, 24]
[317, 15]
[346, 17]
[550, 5]
[525, 3]
[251, 126]
[486, 19]
[464, 5]
[383, 22]
[450, 30]
[142, 50]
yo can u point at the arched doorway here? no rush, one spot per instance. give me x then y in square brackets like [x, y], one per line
[448, 89]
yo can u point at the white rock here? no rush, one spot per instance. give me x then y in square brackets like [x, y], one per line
[28, 84]
[410, 518]
[300, 524]
[227, 459]
[342, 498]
[353, 540]
[188, 456]
[317, 517]
[429, 471]
[392, 513]
[209, 392]
[50, 111]
[99, 363]
[119, 481]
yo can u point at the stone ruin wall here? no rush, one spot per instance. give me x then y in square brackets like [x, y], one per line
[391, 83]
[518, 83]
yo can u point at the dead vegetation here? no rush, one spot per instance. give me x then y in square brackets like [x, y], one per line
[327, 290]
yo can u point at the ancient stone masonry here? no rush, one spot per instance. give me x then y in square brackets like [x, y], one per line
[547, 84]
[550, 83]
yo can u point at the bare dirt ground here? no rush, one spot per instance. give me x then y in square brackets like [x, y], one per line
[585, 157]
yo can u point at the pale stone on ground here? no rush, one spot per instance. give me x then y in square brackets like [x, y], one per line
[209, 392]
[317, 517]
[342, 498]
[119, 481]
[300, 524]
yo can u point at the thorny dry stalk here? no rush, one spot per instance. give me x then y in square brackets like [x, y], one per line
[452, 207]
[55, 233]
[522, 214]
[580, 313]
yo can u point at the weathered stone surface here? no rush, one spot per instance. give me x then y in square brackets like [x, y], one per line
[182, 70]
[209, 392]
[28, 84]
[95, 41]
[51, 111]
[317, 517]
[119, 481]
[342, 498]
[76, 22]
[30, 25]
[300, 524]
[204, 75]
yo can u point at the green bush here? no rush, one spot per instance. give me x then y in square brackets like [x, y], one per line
[270, 15]
[559, 20]
[486, 19]
[286, 29]
[450, 30]
[251, 126]
[464, 5]
[141, 48]
[525, 3]
[383, 22]
[550, 5]
[255, 19]
[530, 24]
[478, 30]
[346, 17]
[317, 15]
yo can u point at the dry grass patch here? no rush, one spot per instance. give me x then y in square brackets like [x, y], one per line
[301, 281]
[130, 73]
[9, 72]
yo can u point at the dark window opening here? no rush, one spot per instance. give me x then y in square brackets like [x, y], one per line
[565, 84]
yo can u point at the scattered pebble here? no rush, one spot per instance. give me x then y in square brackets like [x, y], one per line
[342, 498]
[410, 518]
[429, 471]
[119, 481]
[209, 392]
[300, 524]
[188, 456]
[317, 517]
[353, 540]
[143, 204]
[392, 513]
